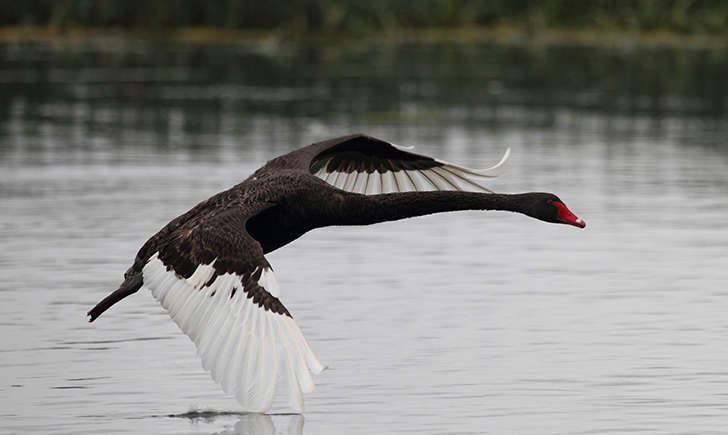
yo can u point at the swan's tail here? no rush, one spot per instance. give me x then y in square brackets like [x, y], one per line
[131, 284]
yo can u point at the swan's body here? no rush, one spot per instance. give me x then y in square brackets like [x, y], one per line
[207, 266]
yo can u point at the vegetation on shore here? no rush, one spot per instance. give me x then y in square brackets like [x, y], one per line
[240, 19]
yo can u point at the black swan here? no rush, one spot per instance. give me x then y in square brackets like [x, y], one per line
[207, 267]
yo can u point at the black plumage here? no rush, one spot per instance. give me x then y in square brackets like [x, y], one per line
[297, 192]
[283, 200]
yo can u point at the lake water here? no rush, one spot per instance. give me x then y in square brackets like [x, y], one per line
[465, 322]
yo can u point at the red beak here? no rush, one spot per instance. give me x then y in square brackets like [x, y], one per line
[567, 217]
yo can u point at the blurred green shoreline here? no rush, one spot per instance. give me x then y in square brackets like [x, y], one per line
[683, 23]
[501, 34]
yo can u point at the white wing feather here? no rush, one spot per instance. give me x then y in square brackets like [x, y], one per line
[244, 346]
[448, 176]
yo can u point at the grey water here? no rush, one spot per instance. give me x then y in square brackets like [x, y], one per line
[466, 322]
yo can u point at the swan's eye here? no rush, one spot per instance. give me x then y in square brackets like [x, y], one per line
[566, 216]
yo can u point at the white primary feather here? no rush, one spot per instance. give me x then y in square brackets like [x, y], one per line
[245, 347]
[449, 176]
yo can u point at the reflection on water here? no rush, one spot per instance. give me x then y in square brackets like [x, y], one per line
[466, 322]
[158, 98]
[248, 424]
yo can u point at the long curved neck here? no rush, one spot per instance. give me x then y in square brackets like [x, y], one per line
[365, 210]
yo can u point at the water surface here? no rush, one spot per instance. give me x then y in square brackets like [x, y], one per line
[465, 322]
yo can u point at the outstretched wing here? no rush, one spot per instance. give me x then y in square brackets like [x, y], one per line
[215, 283]
[363, 164]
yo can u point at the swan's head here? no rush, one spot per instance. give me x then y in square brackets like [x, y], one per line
[548, 207]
